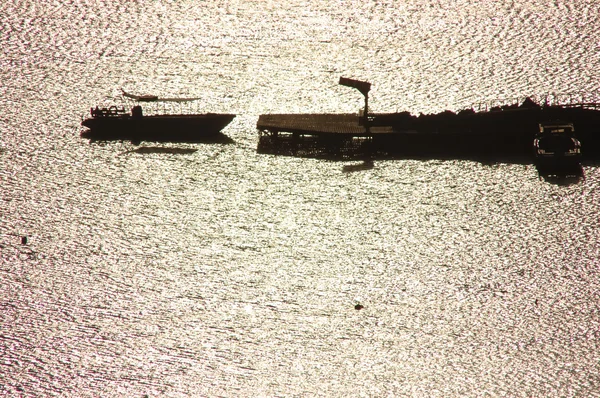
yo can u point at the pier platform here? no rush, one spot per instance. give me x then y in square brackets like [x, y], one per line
[338, 135]
[489, 135]
[344, 136]
[317, 124]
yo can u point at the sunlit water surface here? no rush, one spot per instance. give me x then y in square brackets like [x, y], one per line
[211, 270]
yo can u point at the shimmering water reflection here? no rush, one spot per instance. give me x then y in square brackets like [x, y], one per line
[211, 270]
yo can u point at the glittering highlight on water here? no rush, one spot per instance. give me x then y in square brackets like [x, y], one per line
[212, 270]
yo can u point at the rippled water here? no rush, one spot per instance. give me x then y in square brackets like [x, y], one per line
[211, 270]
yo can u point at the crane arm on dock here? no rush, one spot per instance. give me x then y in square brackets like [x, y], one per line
[364, 88]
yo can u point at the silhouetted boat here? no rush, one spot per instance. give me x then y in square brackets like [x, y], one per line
[555, 146]
[115, 123]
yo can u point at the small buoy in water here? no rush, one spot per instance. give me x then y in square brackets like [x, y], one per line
[23, 240]
[358, 307]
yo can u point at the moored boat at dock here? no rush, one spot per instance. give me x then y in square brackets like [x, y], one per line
[556, 148]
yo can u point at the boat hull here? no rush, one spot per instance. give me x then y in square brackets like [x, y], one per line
[158, 128]
[562, 162]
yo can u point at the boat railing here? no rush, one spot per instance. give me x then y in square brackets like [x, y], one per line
[109, 111]
[567, 100]
[170, 107]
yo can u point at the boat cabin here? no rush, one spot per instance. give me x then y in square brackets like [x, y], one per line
[555, 145]
[557, 127]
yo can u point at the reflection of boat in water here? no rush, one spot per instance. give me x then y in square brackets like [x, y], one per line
[556, 148]
[115, 123]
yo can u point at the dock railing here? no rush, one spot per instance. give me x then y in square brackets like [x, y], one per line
[567, 100]
[169, 108]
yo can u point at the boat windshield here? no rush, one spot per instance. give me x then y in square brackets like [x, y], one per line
[566, 129]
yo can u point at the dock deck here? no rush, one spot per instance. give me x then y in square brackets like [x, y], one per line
[317, 125]
[493, 134]
[317, 135]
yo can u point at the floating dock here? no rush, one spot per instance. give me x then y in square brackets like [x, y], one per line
[316, 134]
[388, 135]
[500, 132]
[347, 125]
